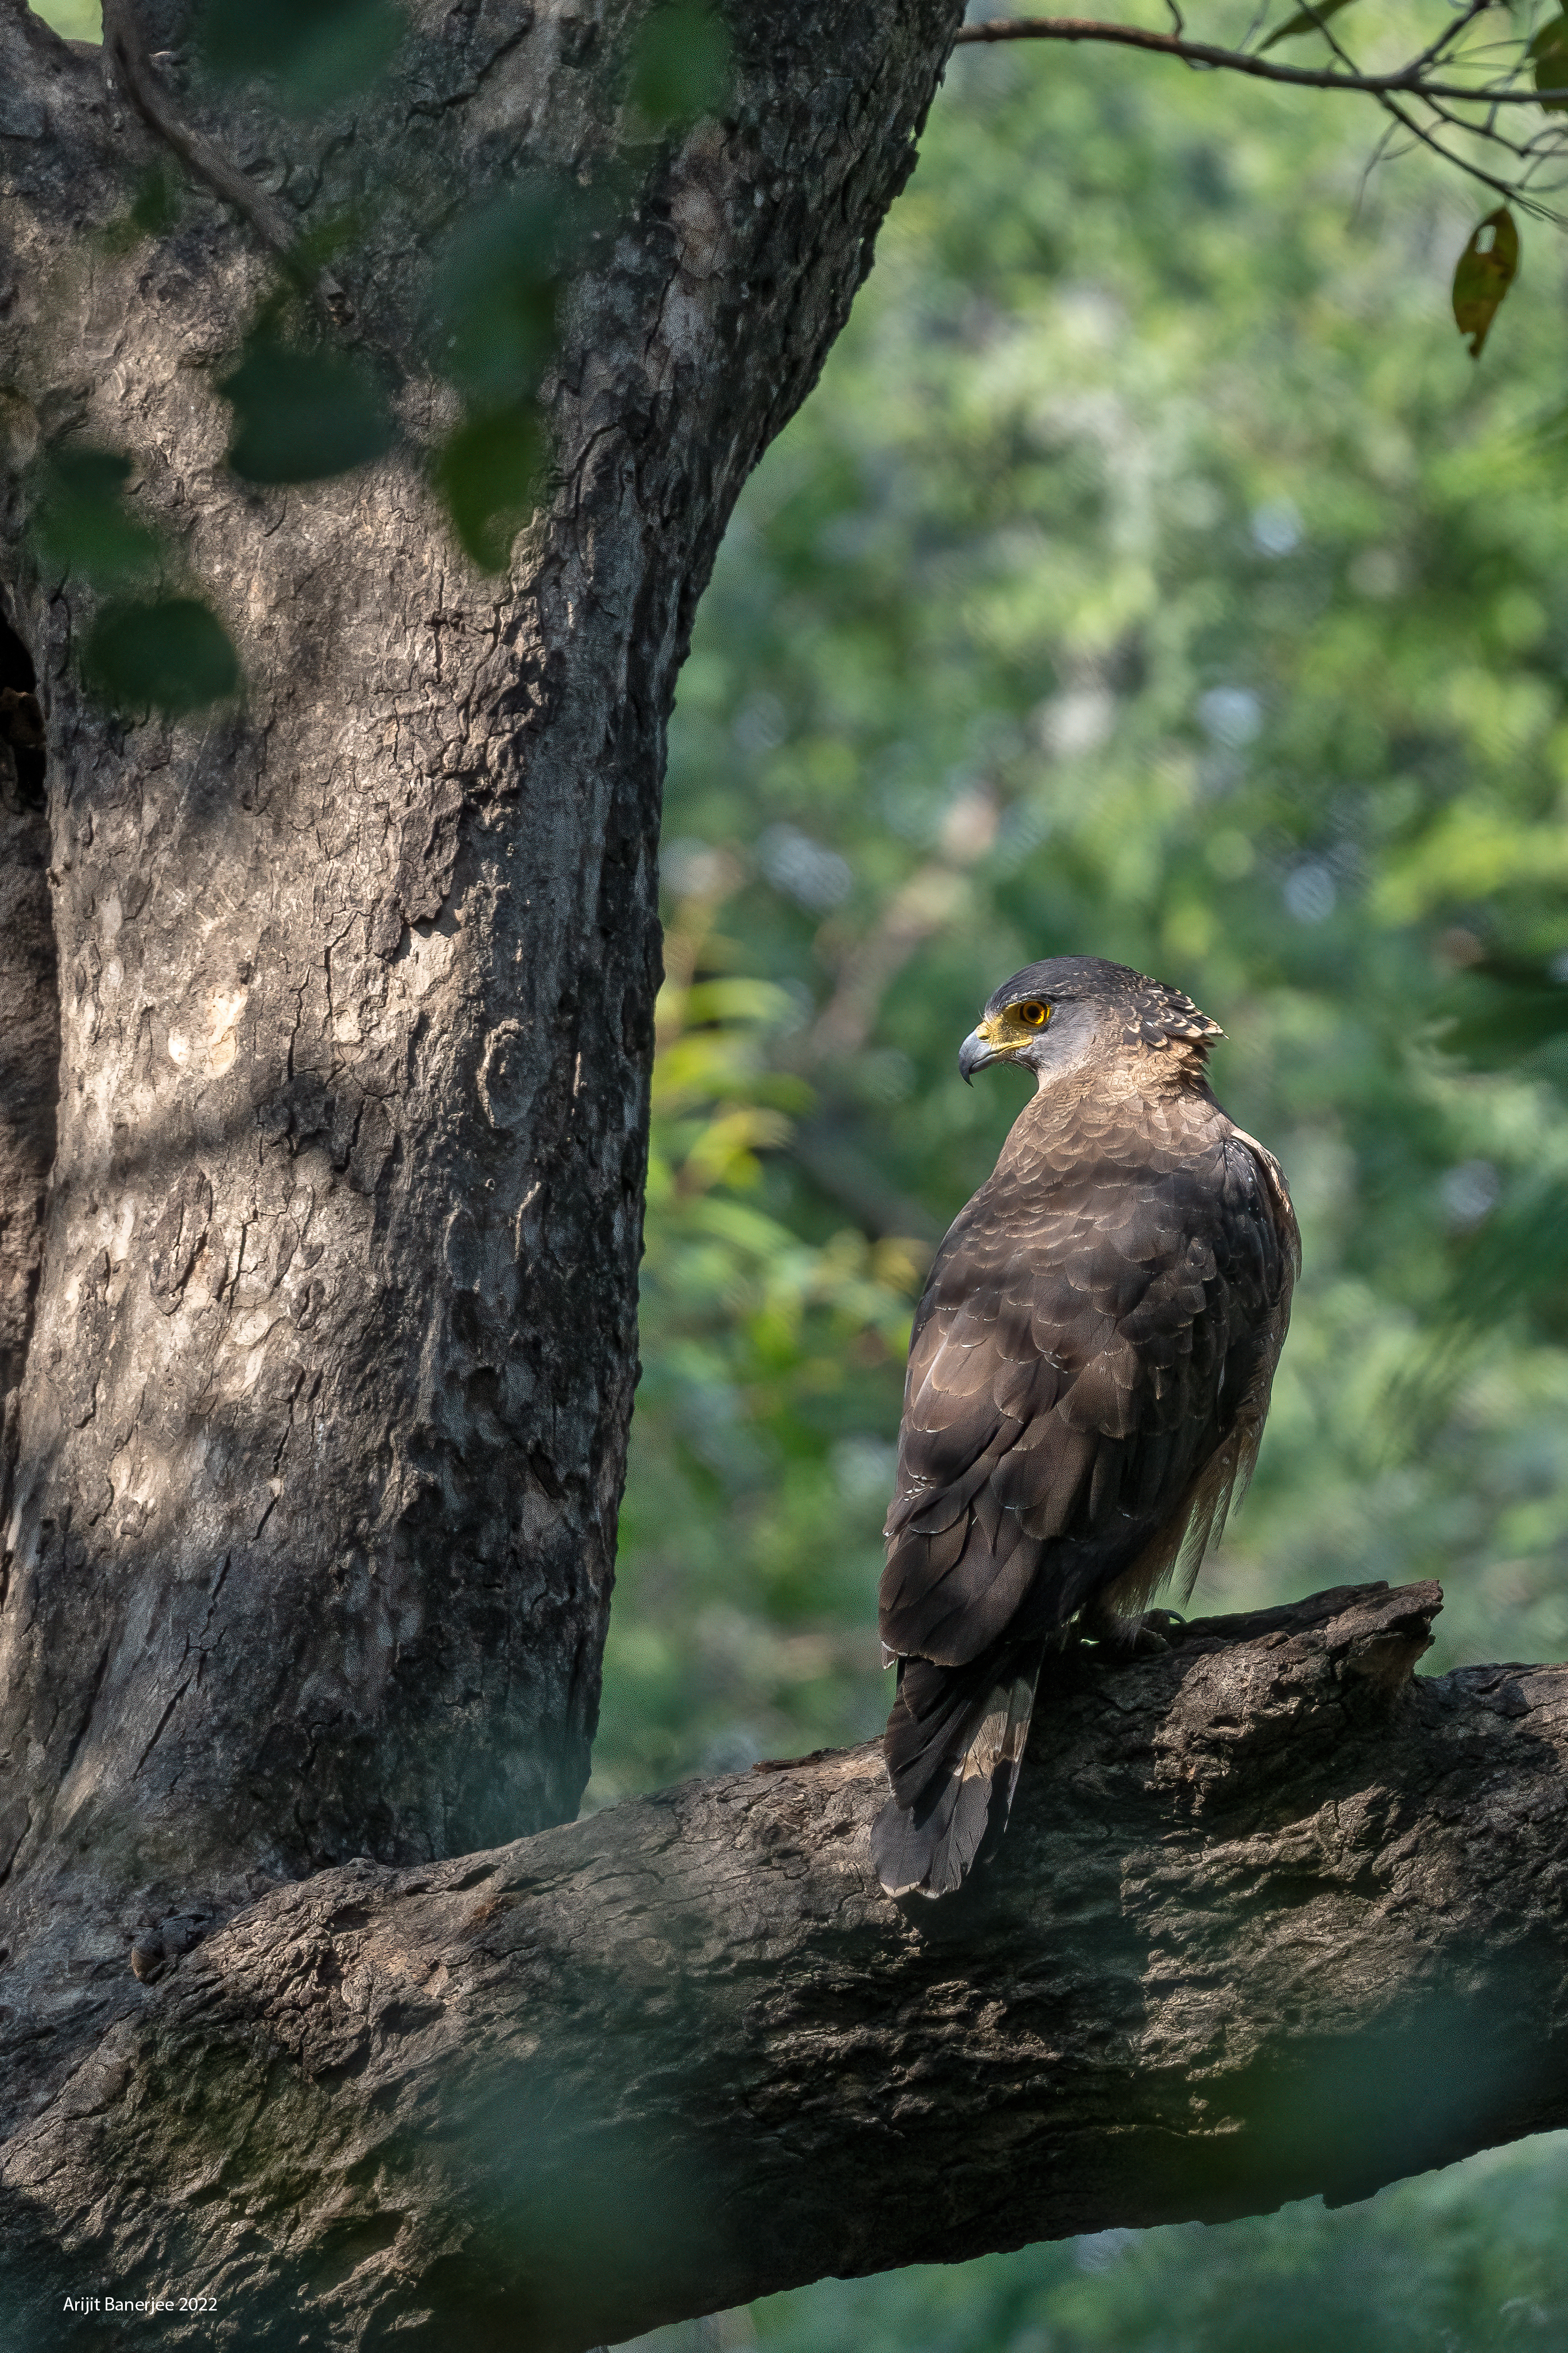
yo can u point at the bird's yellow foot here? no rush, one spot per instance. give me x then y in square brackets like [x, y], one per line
[1143, 1637]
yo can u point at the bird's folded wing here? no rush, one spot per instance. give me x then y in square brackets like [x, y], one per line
[1082, 1351]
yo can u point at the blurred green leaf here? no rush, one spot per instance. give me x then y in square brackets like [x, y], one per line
[1486, 269]
[1518, 1259]
[168, 654]
[736, 998]
[157, 204]
[1550, 50]
[300, 415]
[497, 289]
[681, 64]
[315, 52]
[80, 524]
[329, 235]
[1504, 1009]
[490, 476]
[1305, 20]
[153, 211]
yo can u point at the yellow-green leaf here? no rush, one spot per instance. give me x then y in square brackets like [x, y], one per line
[1305, 20]
[1550, 50]
[1485, 270]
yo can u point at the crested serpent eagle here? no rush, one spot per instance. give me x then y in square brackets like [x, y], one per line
[1087, 1381]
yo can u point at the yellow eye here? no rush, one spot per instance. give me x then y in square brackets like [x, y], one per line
[1033, 1017]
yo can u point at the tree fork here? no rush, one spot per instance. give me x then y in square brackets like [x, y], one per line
[315, 1456]
[1272, 1919]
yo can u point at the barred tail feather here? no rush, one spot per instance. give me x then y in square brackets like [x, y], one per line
[953, 1745]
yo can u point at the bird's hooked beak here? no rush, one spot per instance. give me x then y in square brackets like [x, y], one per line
[978, 1048]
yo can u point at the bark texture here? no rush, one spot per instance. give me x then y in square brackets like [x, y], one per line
[318, 1443]
[29, 1033]
[1272, 1918]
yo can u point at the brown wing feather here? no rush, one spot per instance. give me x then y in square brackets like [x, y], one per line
[1090, 1370]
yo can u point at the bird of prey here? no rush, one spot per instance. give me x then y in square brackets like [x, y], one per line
[1087, 1380]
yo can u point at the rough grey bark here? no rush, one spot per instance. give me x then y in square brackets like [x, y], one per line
[319, 1443]
[1272, 1918]
[30, 1030]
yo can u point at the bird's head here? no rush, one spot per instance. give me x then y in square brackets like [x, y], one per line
[1070, 1013]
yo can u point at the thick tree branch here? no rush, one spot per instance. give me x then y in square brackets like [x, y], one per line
[1272, 1919]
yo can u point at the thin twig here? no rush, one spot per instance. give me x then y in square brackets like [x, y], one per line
[1495, 137]
[1510, 194]
[123, 43]
[1405, 82]
[1372, 160]
[1331, 36]
[1445, 40]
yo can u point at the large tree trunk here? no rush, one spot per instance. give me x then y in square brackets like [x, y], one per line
[314, 1460]
[1271, 1920]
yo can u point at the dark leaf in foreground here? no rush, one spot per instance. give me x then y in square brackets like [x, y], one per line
[1550, 50]
[154, 210]
[488, 476]
[1305, 20]
[168, 654]
[79, 523]
[1519, 1260]
[680, 64]
[1487, 268]
[315, 52]
[299, 416]
[496, 286]
[1506, 1008]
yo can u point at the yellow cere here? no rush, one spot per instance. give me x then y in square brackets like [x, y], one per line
[1009, 1029]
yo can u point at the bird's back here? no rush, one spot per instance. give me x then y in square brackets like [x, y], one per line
[1086, 1384]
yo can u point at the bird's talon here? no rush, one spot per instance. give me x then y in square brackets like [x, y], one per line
[1148, 1636]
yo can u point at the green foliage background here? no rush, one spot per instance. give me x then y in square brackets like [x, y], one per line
[76, 20]
[1152, 574]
